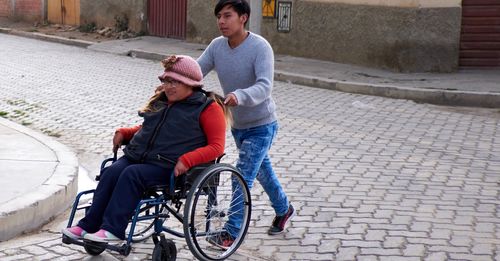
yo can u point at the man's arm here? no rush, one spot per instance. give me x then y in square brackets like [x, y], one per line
[206, 60]
[264, 75]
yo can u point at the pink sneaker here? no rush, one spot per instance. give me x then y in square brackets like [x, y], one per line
[101, 236]
[75, 232]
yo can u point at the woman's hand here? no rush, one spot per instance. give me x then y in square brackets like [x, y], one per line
[117, 141]
[180, 168]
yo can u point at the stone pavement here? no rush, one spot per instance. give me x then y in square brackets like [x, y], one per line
[467, 87]
[372, 178]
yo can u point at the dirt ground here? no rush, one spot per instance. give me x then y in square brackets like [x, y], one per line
[68, 31]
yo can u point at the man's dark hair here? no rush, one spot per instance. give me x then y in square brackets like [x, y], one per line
[240, 6]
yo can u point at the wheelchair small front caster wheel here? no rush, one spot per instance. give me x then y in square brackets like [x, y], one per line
[94, 248]
[165, 250]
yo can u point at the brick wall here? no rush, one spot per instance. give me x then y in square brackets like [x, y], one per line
[4, 8]
[28, 9]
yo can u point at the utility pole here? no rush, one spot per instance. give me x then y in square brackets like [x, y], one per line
[255, 16]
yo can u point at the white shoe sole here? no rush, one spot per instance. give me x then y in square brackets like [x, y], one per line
[69, 234]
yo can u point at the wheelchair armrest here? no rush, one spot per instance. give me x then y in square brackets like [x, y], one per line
[217, 160]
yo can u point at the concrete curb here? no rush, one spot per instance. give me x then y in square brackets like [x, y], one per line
[48, 38]
[30, 211]
[432, 96]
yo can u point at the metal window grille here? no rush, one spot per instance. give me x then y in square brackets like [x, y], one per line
[284, 16]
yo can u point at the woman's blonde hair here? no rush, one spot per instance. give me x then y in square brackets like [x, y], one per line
[153, 103]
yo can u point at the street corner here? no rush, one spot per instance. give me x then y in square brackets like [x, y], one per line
[39, 183]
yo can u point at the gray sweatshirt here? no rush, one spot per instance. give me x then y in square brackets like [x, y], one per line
[247, 71]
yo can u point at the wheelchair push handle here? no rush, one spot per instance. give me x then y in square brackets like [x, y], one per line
[104, 163]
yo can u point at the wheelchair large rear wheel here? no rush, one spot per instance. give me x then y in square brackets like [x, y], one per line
[217, 193]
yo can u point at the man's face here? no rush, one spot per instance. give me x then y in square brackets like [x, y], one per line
[229, 22]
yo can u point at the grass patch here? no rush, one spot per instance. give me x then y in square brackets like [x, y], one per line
[88, 28]
[3, 114]
[51, 133]
[16, 102]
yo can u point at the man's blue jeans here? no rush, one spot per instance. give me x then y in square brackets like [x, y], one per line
[253, 162]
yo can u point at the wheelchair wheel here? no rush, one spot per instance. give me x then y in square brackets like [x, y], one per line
[144, 228]
[94, 248]
[165, 250]
[210, 202]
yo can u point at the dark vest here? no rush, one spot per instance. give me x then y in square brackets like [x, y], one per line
[169, 132]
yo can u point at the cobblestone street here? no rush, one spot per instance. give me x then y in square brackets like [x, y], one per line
[371, 178]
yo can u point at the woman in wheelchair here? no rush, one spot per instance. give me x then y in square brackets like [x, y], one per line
[182, 127]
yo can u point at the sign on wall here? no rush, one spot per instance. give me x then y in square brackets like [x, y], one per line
[284, 16]
[269, 8]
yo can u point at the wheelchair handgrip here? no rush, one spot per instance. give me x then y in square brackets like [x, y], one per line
[172, 182]
[103, 165]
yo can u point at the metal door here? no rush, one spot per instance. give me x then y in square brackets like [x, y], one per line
[480, 37]
[167, 18]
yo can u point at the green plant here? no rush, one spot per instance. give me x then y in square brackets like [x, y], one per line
[3, 114]
[87, 28]
[121, 23]
[51, 133]
[142, 33]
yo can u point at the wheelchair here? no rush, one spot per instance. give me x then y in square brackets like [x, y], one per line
[199, 199]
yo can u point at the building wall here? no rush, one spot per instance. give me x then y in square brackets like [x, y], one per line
[103, 13]
[29, 10]
[5, 8]
[400, 35]
[201, 24]
[398, 3]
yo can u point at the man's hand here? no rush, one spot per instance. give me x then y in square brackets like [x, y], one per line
[180, 168]
[231, 100]
[117, 141]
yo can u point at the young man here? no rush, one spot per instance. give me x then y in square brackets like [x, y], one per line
[244, 63]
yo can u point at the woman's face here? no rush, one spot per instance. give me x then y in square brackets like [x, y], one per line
[175, 90]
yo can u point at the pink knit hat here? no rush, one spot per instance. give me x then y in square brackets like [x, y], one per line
[183, 69]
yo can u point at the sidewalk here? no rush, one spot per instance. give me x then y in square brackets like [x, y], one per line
[467, 87]
[38, 175]
[38, 179]
[474, 87]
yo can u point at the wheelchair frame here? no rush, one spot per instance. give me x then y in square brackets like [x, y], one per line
[206, 182]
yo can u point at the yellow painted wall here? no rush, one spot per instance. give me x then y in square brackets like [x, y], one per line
[398, 3]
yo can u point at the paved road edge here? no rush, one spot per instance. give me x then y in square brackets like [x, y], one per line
[432, 96]
[29, 212]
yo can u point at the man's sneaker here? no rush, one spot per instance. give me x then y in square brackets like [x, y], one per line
[224, 240]
[102, 236]
[75, 232]
[280, 222]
